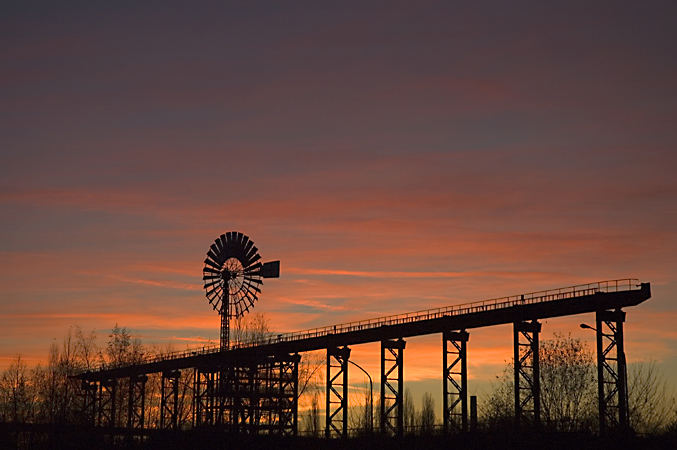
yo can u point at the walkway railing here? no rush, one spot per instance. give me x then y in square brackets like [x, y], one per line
[571, 292]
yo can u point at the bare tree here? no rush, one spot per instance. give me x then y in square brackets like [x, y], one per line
[568, 388]
[54, 390]
[409, 411]
[122, 348]
[310, 371]
[87, 352]
[651, 403]
[249, 329]
[498, 410]
[427, 416]
[17, 397]
[366, 413]
[313, 425]
[568, 384]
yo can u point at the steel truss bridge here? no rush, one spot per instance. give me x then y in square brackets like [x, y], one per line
[253, 387]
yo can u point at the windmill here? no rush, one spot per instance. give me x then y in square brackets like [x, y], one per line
[233, 275]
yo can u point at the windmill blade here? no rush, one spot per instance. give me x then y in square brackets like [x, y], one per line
[218, 244]
[212, 291]
[255, 280]
[217, 259]
[223, 241]
[212, 283]
[248, 246]
[215, 303]
[251, 270]
[206, 277]
[253, 251]
[253, 259]
[239, 239]
[213, 264]
[245, 241]
[251, 286]
[216, 250]
[210, 270]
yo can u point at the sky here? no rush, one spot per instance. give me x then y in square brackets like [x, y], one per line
[395, 156]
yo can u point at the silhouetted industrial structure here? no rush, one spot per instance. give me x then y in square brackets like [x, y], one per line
[253, 387]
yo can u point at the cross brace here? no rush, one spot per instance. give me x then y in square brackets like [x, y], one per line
[337, 392]
[527, 373]
[612, 382]
[169, 400]
[455, 380]
[392, 387]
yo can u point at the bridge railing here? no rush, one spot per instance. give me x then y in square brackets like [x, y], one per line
[580, 290]
[570, 292]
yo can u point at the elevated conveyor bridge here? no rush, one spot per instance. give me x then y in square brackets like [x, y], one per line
[605, 298]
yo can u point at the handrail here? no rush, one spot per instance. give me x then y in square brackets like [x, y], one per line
[569, 292]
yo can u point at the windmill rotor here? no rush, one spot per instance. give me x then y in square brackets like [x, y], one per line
[233, 274]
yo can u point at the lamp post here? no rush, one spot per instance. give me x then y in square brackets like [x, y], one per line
[371, 395]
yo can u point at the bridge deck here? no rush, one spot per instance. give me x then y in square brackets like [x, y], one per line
[535, 305]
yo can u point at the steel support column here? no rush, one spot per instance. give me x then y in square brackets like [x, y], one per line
[527, 375]
[204, 397]
[88, 393]
[169, 400]
[455, 381]
[136, 402]
[337, 392]
[246, 401]
[288, 408]
[612, 383]
[106, 402]
[392, 386]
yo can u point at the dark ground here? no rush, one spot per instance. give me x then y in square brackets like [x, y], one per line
[215, 441]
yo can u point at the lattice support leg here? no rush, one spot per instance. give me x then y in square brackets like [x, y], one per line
[88, 397]
[288, 411]
[249, 400]
[337, 392]
[204, 397]
[455, 381]
[392, 387]
[136, 402]
[612, 379]
[106, 403]
[527, 374]
[169, 400]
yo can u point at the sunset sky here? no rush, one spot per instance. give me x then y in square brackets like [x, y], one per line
[394, 156]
